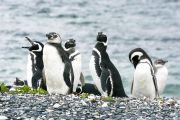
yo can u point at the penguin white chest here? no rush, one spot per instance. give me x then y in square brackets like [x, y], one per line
[54, 69]
[76, 64]
[93, 64]
[143, 81]
[161, 76]
[29, 71]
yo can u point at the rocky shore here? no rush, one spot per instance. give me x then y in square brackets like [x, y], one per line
[52, 107]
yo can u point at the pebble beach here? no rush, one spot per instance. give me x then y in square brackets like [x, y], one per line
[54, 107]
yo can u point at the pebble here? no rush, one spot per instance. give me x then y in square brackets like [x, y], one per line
[105, 104]
[56, 105]
[3, 118]
[83, 103]
[52, 107]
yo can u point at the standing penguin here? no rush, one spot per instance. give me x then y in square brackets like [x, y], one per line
[35, 65]
[161, 73]
[144, 83]
[75, 57]
[57, 66]
[104, 73]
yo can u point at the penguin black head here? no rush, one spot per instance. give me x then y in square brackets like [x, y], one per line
[102, 38]
[53, 37]
[136, 55]
[70, 43]
[35, 46]
[160, 62]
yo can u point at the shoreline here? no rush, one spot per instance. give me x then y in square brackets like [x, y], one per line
[41, 107]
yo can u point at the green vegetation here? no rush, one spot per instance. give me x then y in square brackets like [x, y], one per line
[107, 99]
[27, 90]
[3, 88]
[22, 90]
[84, 95]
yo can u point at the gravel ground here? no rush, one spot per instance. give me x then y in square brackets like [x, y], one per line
[52, 107]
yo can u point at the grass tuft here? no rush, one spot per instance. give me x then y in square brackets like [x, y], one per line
[84, 95]
[107, 99]
[3, 88]
[22, 90]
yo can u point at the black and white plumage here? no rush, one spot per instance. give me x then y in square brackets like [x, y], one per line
[144, 82]
[90, 89]
[161, 73]
[75, 57]
[57, 66]
[105, 75]
[35, 65]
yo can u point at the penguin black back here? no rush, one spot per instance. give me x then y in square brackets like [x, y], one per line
[36, 62]
[109, 75]
[39, 53]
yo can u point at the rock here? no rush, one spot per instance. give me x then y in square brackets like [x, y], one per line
[33, 107]
[3, 117]
[83, 103]
[56, 105]
[51, 119]
[105, 104]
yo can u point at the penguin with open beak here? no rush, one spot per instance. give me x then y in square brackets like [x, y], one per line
[35, 73]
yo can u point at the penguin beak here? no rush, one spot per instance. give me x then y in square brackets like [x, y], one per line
[165, 61]
[48, 36]
[32, 43]
[26, 47]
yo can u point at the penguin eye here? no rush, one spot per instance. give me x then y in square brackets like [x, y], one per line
[55, 36]
[34, 47]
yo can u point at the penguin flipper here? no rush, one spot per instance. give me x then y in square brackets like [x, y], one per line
[104, 77]
[66, 74]
[37, 75]
[43, 81]
[155, 85]
[132, 86]
[82, 80]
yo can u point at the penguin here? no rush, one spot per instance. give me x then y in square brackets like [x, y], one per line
[144, 82]
[75, 58]
[90, 89]
[57, 66]
[105, 75]
[19, 82]
[161, 73]
[35, 65]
